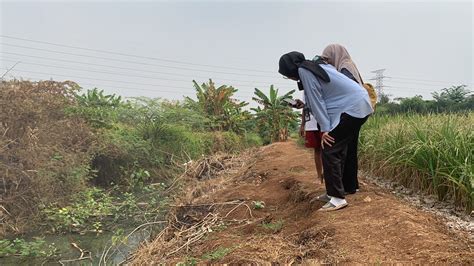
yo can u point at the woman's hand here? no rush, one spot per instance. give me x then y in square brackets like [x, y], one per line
[327, 139]
[299, 104]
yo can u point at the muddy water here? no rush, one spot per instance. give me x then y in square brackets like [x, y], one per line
[95, 244]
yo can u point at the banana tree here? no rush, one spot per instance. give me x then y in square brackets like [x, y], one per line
[224, 112]
[274, 116]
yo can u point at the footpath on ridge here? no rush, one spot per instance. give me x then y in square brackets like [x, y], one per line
[257, 208]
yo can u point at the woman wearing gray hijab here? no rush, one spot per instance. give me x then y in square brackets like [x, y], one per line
[338, 56]
[340, 106]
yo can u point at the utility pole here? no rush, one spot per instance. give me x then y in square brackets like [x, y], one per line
[379, 81]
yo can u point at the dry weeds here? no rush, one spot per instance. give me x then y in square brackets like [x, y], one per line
[189, 221]
[40, 148]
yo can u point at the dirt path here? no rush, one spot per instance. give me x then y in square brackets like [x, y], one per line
[376, 227]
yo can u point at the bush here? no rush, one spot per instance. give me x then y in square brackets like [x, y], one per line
[56, 143]
[44, 153]
[252, 140]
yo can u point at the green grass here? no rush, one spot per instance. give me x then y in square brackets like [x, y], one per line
[217, 254]
[274, 227]
[431, 153]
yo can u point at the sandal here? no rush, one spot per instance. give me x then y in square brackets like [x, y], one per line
[331, 207]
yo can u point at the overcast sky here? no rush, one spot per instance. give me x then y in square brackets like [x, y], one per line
[424, 46]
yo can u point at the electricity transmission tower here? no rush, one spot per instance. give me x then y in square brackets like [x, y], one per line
[379, 81]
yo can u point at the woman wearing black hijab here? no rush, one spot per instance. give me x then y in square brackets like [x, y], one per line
[340, 106]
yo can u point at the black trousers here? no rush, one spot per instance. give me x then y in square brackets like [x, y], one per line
[340, 160]
[351, 166]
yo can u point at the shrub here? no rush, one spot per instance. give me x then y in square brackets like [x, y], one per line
[44, 153]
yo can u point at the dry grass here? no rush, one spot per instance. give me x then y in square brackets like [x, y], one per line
[188, 221]
[196, 217]
[41, 149]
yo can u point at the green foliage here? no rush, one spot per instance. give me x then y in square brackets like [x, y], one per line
[275, 117]
[177, 141]
[455, 94]
[258, 205]
[94, 139]
[217, 254]
[427, 152]
[20, 247]
[273, 227]
[84, 214]
[119, 237]
[190, 261]
[453, 99]
[100, 110]
[252, 140]
[95, 209]
[139, 177]
[96, 98]
[223, 112]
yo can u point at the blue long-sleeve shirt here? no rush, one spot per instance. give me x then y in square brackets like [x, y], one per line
[328, 100]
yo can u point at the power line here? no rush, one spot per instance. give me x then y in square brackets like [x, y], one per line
[427, 80]
[126, 68]
[172, 61]
[102, 85]
[410, 88]
[132, 62]
[81, 84]
[131, 69]
[108, 80]
[146, 84]
[169, 86]
[415, 82]
[114, 73]
[174, 92]
[133, 56]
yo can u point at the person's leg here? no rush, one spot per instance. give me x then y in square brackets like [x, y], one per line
[317, 155]
[351, 167]
[313, 140]
[349, 177]
[334, 157]
[319, 164]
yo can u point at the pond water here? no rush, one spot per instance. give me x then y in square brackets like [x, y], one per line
[96, 244]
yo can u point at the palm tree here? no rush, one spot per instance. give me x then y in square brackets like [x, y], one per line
[275, 116]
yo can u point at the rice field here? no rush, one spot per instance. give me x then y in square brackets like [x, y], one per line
[430, 153]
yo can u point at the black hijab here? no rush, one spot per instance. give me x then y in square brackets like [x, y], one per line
[290, 62]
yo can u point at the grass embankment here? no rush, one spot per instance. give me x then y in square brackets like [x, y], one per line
[430, 153]
[74, 163]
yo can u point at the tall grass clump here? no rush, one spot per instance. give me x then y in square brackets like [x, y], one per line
[432, 153]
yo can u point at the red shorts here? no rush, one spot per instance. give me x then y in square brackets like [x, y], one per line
[313, 139]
